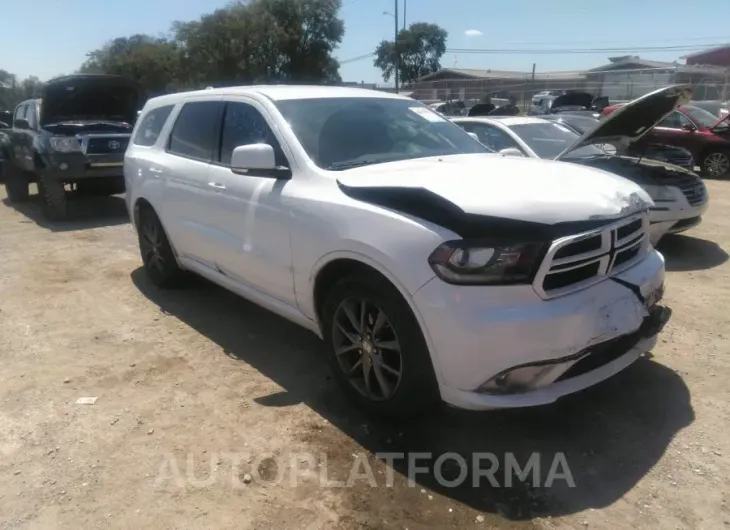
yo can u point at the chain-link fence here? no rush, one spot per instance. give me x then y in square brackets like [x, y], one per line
[618, 86]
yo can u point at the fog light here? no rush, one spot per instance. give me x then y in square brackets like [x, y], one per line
[63, 166]
[525, 378]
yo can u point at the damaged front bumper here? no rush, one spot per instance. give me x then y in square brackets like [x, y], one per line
[499, 347]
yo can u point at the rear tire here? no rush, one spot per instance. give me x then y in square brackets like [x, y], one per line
[53, 198]
[157, 254]
[16, 184]
[376, 349]
[716, 164]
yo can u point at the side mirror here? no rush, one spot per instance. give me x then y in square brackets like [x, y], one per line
[608, 148]
[22, 123]
[473, 135]
[689, 127]
[511, 151]
[257, 159]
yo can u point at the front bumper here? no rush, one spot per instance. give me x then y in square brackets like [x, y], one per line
[674, 217]
[78, 166]
[476, 333]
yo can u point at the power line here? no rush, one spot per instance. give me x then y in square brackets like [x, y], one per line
[559, 51]
[358, 58]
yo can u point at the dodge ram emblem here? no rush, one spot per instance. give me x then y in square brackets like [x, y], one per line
[114, 145]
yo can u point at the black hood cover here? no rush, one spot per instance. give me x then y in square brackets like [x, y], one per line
[89, 97]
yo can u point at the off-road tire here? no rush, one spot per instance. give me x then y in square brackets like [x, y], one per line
[16, 185]
[417, 391]
[165, 272]
[52, 193]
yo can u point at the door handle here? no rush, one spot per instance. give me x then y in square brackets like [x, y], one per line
[216, 185]
[155, 171]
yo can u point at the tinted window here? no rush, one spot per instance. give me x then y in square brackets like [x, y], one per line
[490, 136]
[548, 140]
[339, 133]
[20, 112]
[244, 125]
[151, 125]
[700, 116]
[195, 133]
[674, 121]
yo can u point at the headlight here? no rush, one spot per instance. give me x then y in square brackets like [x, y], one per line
[486, 263]
[65, 144]
[660, 193]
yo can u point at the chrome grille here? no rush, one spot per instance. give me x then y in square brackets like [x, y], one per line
[575, 262]
[694, 190]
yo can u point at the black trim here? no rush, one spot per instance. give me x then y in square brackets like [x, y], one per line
[426, 205]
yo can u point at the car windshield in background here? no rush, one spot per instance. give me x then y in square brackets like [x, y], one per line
[700, 116]
[548, 140]
[341, 133]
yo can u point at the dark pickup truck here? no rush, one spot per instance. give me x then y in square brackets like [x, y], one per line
[75, 135]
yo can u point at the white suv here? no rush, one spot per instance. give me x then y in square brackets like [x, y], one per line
[430, 267]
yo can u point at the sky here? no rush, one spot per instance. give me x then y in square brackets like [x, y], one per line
[59, 33]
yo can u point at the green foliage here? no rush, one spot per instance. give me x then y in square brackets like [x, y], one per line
[421, 47]
[247, 42]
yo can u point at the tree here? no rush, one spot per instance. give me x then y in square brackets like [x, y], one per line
[245, 42]
[152, 62]
[421, 47]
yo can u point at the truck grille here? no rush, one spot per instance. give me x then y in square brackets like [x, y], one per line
[104, 145]
[575, 262]
[694, 190]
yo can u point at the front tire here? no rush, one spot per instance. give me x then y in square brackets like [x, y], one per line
[376, 349]
[53, 198]
[716, 164]
[157, 254]
[16, 184]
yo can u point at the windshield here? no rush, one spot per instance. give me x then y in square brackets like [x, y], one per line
[700, 116]
[340, 133]
[548, 140]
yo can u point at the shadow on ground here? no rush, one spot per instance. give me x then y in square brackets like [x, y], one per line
[84, 212]
[688, 253]
[611, 435]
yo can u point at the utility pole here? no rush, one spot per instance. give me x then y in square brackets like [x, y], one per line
[397, 51]
[405, 8]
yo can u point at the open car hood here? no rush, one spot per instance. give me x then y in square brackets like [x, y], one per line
[573, 99]
[628, 123]
[89, 97]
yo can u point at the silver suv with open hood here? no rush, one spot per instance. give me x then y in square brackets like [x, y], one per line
[680, 197]
[75, 135]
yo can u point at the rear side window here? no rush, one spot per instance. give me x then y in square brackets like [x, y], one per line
[195, 133]
[151, 126]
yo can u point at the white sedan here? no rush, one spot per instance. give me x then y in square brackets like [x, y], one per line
[680, 197]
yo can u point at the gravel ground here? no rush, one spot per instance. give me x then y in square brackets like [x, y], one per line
[212, 413]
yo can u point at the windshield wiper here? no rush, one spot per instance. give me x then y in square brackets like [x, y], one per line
[338, 166]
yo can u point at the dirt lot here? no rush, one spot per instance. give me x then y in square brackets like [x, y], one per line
[205, 402]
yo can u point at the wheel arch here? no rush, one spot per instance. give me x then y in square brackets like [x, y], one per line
[141, 204]
[340, 264]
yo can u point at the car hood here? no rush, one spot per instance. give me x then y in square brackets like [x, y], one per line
[628, 123]
[574, 99]
[498, 186]
[89, 97]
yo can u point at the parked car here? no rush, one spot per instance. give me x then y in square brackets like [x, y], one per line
[573, 102]
[664, 153]
[74, 135]
[430, 267]
[679, 195]
[6, 118]
[704, 135]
